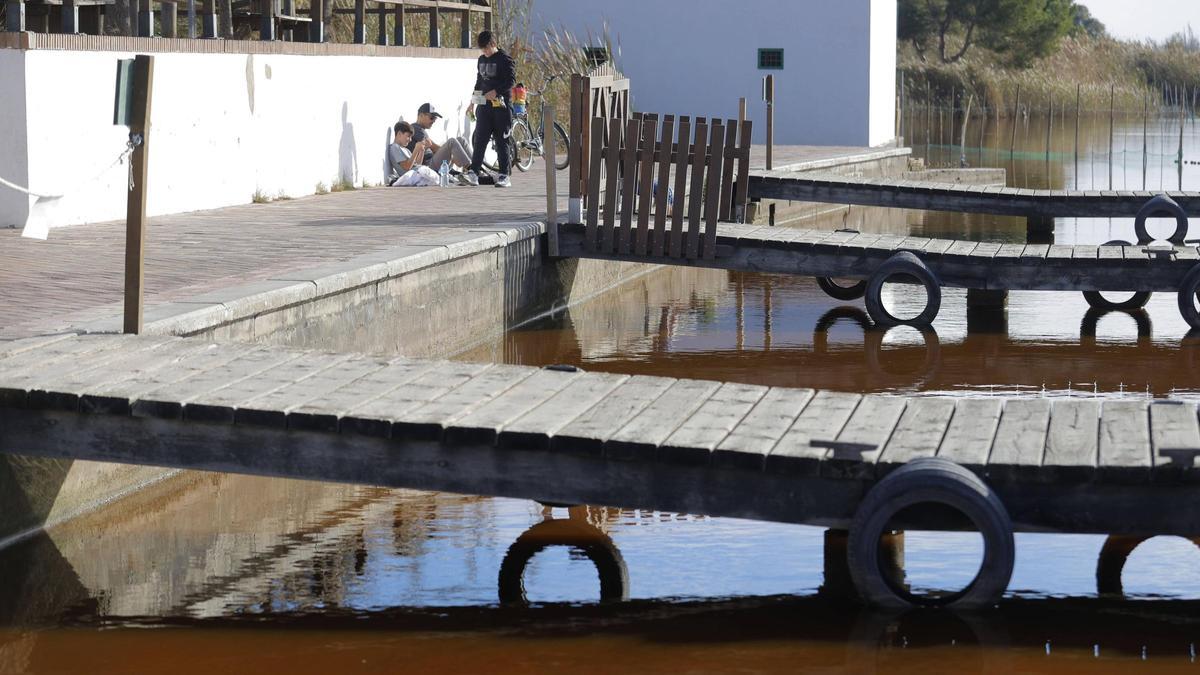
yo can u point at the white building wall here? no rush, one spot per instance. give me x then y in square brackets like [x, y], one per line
[696, 57]
[223, 126]
[14, 165]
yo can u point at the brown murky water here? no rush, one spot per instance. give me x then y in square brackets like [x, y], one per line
[233, 573]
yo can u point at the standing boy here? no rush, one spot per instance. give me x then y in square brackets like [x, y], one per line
[496, 75]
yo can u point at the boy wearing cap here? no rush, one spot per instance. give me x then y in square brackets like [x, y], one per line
[453, 151]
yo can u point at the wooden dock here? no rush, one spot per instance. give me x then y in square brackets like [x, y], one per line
[726, 449]
[1003, 201]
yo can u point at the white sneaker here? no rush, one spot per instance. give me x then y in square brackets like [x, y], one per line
[468, 178]
[503, 181]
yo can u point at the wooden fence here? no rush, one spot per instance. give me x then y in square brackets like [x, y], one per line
[602, 93]
[693, 172]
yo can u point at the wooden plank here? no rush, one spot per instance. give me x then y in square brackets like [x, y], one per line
[968, 440]
[681, 166]
[1020, 439]
[645, 202]
[221, 405]
[664, 187]
[168, 401]
[694, 441]
[327, 413]
[939, 246]
[1060, 252]
[430, 419]
[630, 151]
[592, 231]
[748, 444]
[712, 192]
[536, 428]
[377, 416]
[611, 193]
[696, 188]
[804, 447]
[1174, 440]
[640, 437]
[1072, 443]
[962, 248]
[587, 433]
[1125, 442]
[741, 189]
[273, 408]
[919, 432]
[984, 251]
[1035, 251]
[1086, 252]
[861, 441]
[730, 154]
[483, 424]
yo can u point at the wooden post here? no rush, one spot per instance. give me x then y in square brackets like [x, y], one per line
[769, 95]
[435, 27]
[208, 19]
[400, 37]
[225, 12]
[1049, 126]
[551, 187]
[1145, 132]
[191, 19]
[1077, 136]
[962, 146]
[1112, 102]
[70, 17]
[1179, 160]
[360, 22]
[466, 28]
[578, 152]
[266, 26]
[316, 24]
[146, 18]
[135, 211]
[1012, 141]
[133, 18]
[741, 111]
[15, 16]
[168, 19]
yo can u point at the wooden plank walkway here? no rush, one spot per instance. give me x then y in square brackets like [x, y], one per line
[895, 193]
[964, 264]
[792, 455]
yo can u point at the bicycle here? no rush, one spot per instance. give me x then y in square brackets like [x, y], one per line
[525, 145]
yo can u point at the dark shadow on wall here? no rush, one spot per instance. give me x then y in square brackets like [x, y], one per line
[347, 150]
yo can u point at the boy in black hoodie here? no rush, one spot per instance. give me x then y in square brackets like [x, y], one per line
[496, 76]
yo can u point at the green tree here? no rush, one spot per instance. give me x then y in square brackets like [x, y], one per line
[1020, 29]
[1086, 24]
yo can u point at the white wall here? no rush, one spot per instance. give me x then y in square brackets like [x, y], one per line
[696, 57]
[223, 126]
[14, 167]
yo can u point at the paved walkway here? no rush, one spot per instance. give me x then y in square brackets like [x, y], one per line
[77, 276]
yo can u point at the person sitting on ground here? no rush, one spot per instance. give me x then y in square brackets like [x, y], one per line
[496, 75]
[401, 160]
[453, 150]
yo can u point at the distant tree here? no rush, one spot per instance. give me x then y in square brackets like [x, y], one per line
[1086, 24]
[1020, 29]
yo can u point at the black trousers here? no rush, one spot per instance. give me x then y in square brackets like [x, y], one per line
[491, 124]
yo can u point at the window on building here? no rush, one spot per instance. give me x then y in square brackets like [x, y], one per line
[770, 59]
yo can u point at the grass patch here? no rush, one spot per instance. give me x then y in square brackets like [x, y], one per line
[260, 197]
[321, 189]
[342, 185]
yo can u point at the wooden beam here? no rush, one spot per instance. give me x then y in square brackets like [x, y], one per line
[14, 14]
[360, 22]
[266, 27]
[135, 209]
[401, 34]
[168, 19]
[435, 27]
[70, 17]
[551, 187]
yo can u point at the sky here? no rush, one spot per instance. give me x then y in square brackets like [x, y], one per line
[1141, 19]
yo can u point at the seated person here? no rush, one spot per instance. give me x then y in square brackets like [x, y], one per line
[453, 151]
[400, 158]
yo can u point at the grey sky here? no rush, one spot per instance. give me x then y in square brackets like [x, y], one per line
[1141, 19]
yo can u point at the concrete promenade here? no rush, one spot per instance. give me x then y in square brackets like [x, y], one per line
[76, 277]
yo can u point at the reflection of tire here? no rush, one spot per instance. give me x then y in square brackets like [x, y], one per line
[1188, 290]
[1111, 562]
[844, 293]
[873, 342]
[925, 481]
[1161, 205]
[1091, 319]
[1097, 301]
[576, 534]
[877, 633]
[903, 264]
[521, 146]
[828, 319]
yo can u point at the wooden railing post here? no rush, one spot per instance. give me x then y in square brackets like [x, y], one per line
[70, 17]
[208, 19]
[15, 16]
[551, 186]
[401, 37]
[769, 97]
[466, 28]
[360, 22]
[577, 152]
[146, 18]
[435, 27]
[382, 36]
[168, 18]
[135, 210]
[266, 28]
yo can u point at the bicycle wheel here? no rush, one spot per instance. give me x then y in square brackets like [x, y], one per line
[523, 146]
[562, 147]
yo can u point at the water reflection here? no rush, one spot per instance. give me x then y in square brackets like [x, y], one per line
[580, 532]
[779, 330]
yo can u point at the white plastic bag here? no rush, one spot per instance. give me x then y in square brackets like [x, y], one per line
[418, 176]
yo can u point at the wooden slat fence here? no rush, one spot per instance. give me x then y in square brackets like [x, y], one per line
[602, 93]
[633, 207]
